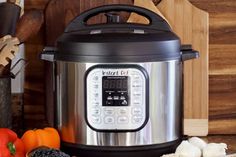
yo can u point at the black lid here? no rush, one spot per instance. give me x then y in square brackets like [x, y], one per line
[118, 42]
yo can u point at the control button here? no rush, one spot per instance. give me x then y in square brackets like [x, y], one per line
[122, 119]
[137, 94]
[124, 102]
[96, 120]
[137, 102]
[109, 102]
[96, 112]
[109, 112]
[95, 95]
[122, 111]
[95, 103]
[109, 98]
[137, 111]
[136, 76]
[136, 84]
[116, 97]
[122, 98]
[137, 119]
[95, 78]
[109, 120]
[95, 86]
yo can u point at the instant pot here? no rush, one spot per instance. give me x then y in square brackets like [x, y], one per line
[118, 86]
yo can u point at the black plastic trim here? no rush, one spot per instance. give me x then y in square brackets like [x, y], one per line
[188, 53]
[155, 150]
[118, 66]
[113, 59]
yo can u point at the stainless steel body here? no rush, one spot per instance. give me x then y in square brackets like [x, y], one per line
[165, 106]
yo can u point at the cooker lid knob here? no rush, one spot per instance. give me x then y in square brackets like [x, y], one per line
[112, 17]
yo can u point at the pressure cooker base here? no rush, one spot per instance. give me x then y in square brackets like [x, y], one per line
[132, 151]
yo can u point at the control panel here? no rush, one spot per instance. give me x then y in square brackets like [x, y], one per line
[116, 98]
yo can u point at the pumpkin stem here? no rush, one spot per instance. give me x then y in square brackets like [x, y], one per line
[11, 148]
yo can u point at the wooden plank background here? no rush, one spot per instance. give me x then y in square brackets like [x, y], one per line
[34, 96]
[222, 64]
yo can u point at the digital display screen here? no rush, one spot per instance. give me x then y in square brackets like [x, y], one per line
[115, 90]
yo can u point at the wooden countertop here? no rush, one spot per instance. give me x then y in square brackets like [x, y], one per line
[230, 140]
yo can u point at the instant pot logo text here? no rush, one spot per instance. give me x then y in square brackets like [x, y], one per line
[115, 73]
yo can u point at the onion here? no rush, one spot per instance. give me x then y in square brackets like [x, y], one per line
[215, 150]
[185, 149]
[197, 142]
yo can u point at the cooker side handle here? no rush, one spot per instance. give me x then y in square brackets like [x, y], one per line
[48, 54]
[188, 53]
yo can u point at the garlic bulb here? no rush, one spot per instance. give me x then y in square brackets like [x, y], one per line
[215, 150]
[185, 149]
[197, 142]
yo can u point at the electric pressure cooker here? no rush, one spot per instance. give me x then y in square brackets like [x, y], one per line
[119, 85]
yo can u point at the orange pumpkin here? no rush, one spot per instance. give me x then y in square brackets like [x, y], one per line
[48, 137]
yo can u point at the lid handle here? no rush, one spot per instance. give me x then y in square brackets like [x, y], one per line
[154, 19]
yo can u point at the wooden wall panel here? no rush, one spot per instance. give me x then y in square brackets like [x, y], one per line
[222, 126]
[222, 97]
[38, 4]
[222, 28]
[222, 104]
[222, 59]
[216, 6]
[222, 65]
[34, 95]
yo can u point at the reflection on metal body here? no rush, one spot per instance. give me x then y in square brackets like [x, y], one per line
[165, 106]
